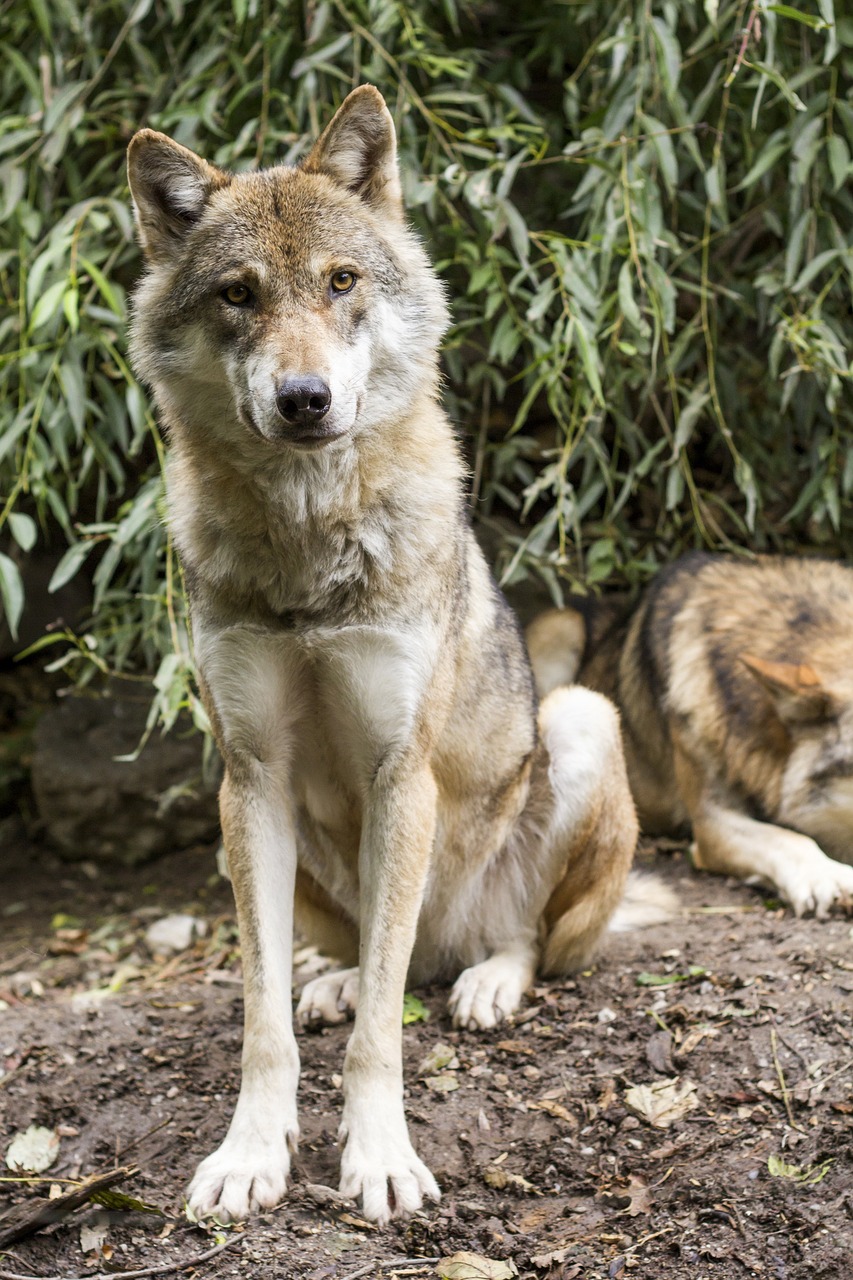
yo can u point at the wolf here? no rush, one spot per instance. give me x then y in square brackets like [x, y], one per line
[389, 781]
[734, 678]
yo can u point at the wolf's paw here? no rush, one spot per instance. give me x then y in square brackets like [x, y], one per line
[330, 998]
[386, 1173]
[242, 1177]
[817, 884]
[485, 994]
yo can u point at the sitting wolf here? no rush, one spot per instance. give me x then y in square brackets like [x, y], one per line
[387, 770]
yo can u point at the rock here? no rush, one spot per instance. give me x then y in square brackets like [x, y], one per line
[174, 933]
[100, 808]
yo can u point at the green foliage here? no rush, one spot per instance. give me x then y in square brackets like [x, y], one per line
[643, 212]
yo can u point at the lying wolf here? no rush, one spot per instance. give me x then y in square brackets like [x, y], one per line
[735, 683]
[385, 765]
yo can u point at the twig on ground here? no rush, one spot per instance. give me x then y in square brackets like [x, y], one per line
[379, 1262]
[28, 1218]
[177, 1265]
[786, 1097]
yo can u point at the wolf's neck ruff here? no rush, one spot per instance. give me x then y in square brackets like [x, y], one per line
[350, 526]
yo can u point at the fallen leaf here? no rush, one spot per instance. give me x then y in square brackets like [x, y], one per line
[555, 1109]
[809, 1176]
[414, 1010]
[542, 1260]
[441, 1055]
[662, 1103]
[670, 979]
[634, 1199]
[121, 1202]
[352, 1220]
[501, 1178]
[693, 1038]
[93, 1234]
[514, 1046]
[34, 1150]
[444, 1083]
[607, 1096]
[473, 1266]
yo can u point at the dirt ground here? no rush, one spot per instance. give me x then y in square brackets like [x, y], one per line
[544, 1154]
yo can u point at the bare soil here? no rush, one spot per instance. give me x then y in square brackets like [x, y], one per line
[528, 1129]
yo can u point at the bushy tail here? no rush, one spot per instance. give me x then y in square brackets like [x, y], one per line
[646, 901]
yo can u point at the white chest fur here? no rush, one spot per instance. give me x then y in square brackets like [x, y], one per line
[291, 699]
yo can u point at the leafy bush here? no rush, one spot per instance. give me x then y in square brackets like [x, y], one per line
[643, 211]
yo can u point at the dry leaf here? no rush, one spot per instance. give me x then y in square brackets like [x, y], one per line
[440, 1056]
[662, 1103]
[695, 1037]
[634, 1199]
[501, 1178]
[34, 1150]
[514, 1046]
[445, 1083]
[352, 1221]
[93, 1234]
[473, 1266]
[554, 1109]
[542, 1260]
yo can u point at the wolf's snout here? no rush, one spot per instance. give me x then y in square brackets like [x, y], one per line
[303, 401]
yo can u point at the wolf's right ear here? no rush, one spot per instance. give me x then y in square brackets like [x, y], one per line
[796, 690]
[358, 150]
[170, 186]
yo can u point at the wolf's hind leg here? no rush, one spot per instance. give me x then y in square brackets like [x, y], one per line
[331, 997]
[593, 830]
[328, 999]
[488, 992]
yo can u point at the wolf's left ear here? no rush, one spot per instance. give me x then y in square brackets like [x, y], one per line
[170, 186]
[359, 151]
[795, 688]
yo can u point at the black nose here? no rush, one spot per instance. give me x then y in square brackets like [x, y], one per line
[303, 400]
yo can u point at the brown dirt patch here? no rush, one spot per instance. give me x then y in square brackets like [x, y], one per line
[149, 1075]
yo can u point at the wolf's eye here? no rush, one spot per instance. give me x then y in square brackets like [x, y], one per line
[238, 295]
[342, 281]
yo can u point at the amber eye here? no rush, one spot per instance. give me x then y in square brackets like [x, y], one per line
[238, 295]
[342, 281]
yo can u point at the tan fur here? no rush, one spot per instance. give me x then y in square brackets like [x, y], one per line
[735, 684]
[367, 684]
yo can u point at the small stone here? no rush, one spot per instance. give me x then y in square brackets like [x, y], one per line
[174, 933]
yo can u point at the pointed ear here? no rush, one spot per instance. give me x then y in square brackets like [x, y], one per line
[795, 689]
[358, 150]
[170, 186]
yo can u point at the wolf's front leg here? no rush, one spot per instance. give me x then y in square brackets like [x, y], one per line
[378, 1161]
[734, 844]
[249, 1170]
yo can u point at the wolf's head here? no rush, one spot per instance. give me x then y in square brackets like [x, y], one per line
[292, 304]
[817, 713]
